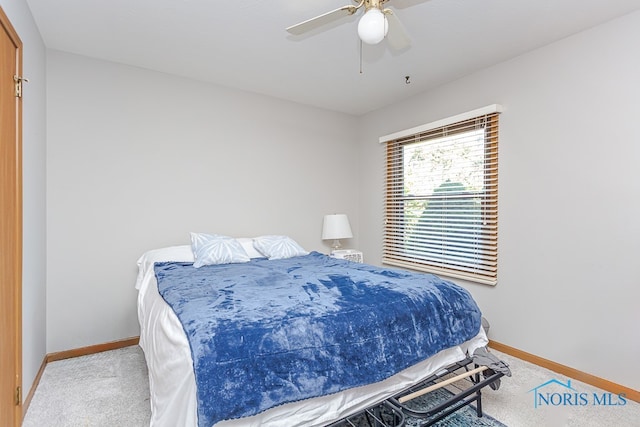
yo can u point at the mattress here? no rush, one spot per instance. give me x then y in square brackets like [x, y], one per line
[172, 382]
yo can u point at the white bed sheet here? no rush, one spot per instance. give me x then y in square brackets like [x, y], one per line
[172, 382]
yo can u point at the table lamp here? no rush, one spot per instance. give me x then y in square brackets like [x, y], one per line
[336, 227]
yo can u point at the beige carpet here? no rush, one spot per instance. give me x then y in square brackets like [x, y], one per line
[513, 404]
[112, 389]
[102, 389]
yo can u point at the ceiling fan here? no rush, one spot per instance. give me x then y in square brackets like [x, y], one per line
[375, 25]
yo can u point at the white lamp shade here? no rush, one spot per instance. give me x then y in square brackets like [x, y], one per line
[336, 226]
[373, 26]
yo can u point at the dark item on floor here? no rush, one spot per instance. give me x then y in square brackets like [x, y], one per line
[432, 400]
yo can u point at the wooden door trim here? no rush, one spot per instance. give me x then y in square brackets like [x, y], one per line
[17, 279]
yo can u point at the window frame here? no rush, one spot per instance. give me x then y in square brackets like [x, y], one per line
[482, 267]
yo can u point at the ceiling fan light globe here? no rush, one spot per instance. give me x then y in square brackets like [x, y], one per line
[373, 26]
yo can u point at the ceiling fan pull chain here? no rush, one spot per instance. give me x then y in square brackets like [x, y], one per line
[361, 57]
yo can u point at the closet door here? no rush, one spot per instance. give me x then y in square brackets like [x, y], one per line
[10, 226]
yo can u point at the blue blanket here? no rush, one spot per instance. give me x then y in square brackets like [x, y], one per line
[264, 333]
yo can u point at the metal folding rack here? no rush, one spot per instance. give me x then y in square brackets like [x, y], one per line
[412, 404]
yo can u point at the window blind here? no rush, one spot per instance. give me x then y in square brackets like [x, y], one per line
[441, 200]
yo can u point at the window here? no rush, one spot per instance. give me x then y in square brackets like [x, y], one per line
[441, 197]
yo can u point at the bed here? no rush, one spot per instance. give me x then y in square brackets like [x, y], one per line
[176, 355]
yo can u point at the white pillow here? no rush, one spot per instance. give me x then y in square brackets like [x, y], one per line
[247, 245]
[182, 253]
[278, 247]
[209, 249]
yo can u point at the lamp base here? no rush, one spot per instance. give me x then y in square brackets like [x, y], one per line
[336, 245]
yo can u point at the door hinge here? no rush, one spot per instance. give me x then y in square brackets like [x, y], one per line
[18, 82]
[18, 395]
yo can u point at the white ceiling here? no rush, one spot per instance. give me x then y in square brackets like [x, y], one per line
[243, 43]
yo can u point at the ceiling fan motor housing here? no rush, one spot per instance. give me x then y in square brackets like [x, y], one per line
[368, 4]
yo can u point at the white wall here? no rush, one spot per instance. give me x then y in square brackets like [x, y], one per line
[136, 159]
[33, 184]
[569, 195]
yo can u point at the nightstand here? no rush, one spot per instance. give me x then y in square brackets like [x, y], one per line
[348, 254]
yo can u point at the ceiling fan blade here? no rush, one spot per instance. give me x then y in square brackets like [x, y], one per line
[403, 4]
[397, 36]
[318, 21]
